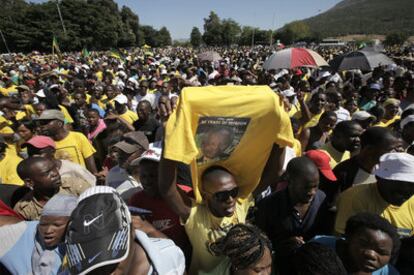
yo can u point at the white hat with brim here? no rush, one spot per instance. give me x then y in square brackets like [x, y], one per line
[406, 121]
[362, 115]
[397, 167]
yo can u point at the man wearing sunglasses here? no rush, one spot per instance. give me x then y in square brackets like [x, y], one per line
[210, 220]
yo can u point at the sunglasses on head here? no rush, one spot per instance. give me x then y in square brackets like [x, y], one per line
[225, 195]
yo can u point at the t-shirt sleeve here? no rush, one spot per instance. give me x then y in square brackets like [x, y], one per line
[284, 136]
[86, 147]
[179, 139]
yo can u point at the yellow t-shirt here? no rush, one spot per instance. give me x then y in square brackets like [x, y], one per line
[386, 123]
[75, 147]
[8, 169]
[5, 124]
[336, 156]
[203, 229]
[129, 116]
[312, 122]
[68, 118]
[29, 110]
[231, 126]
[7, 91]
[366, 198]
[99, 75]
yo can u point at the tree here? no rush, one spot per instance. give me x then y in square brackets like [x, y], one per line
[230, 32]
[95, 24]
[164, 37]
[294, 31]
[395, 38]
[195, 37]
[150, 35]
[212, 30]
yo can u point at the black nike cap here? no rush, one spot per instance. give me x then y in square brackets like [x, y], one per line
[98, 232]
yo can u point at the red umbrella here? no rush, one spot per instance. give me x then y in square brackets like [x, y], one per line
[293, 58]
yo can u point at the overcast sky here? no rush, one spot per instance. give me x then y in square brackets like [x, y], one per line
[180, 16]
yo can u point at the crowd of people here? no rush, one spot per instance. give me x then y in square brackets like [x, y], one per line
[156, 161]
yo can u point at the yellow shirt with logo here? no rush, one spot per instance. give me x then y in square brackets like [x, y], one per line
[129, 116]
[248, 121]
[8, 169]
[203, 229]
[366, 198]
[74, 147]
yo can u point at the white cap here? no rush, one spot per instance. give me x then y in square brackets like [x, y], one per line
[362, 115]
[396, 166]
[153, 153]
[121, 99]
[406, 120]
[40, 93]
[288, 92]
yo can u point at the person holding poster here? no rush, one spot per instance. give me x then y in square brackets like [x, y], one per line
[233, 138]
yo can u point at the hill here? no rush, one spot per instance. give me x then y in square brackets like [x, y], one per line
[365, 17]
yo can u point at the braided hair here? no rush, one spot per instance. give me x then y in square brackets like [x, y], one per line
[244, 244]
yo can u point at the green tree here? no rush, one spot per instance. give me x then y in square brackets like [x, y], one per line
[230, 32]
[395, 38]
[212, 30]
[164, 37]
[294, 31]
[195, 37]
[150, 35]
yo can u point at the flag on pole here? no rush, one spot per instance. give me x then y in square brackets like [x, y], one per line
[116, 54]
[85, 52]
[55, 48]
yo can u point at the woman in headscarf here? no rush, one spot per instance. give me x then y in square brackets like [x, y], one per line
[36, 247]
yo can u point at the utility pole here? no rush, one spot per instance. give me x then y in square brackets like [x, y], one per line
[4, 41]
[273, 27]
[60, 16]
[253, 37]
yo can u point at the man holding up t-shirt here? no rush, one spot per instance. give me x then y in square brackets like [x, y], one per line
[223, 185]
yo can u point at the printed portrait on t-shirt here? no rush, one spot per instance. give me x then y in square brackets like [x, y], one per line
[217, 137]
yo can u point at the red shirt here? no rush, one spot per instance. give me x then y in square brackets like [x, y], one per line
[162, 217]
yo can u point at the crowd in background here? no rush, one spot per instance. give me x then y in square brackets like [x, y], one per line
[97, 173]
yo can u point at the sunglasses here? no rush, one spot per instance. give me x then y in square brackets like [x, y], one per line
[225, 195]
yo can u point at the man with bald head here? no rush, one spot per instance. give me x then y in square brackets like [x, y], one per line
[205, 223]
[295, 214]
[42, 176]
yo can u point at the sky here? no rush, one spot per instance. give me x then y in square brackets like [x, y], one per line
[180, 16]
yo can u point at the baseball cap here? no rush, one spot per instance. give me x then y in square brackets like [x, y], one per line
[98, 232]
[121, 99]
[51, 115]
[40, 142]
[362, 115]
[396, 166]
[375, 86]
[321, 160]
[153, 153]
[406, 120]
[23, 87]
[288, 92]
[127, 147]
[137, 137]
[40, 93]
